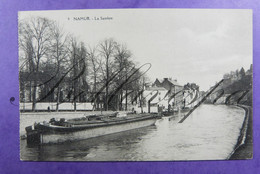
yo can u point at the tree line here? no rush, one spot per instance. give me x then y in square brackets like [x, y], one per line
[55, 66]
[237, 87]
[238, 74]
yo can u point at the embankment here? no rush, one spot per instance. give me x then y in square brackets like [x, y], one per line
[244, 146]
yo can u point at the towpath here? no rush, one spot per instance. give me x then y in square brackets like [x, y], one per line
[245, 151]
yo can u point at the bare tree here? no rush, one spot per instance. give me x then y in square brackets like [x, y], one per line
[25, 63]
[107, 49]
[59, 52]
[73, 51]
[94, 72]
[78, 59]
[83, 72]
[122, 55]
[34, 39]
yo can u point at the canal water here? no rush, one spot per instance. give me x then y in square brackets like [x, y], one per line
[209, 133]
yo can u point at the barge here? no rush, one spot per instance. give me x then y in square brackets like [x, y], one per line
[58, 131]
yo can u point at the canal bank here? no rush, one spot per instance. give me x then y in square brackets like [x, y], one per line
[244, 147]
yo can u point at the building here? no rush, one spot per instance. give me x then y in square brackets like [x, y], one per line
[174, 89]
[164, 93]
[191, 95]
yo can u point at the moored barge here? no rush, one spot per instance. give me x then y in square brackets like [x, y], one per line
[86, 127]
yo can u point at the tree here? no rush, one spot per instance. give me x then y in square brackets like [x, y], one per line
[242, 72]
[122, 55]
[26, 64]
[226, 76]
[237, 73]
[77, 71]
[140, 86]
[94, 72]
[83, 72]
[107, 49]
[59, 52]
[34, 40]
[74, 63]
[251, 68]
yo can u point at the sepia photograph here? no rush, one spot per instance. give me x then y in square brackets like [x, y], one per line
[135, 84]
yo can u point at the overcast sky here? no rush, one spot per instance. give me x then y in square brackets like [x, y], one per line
[190, 45]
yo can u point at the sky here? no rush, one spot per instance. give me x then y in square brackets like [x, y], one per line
[190, 45]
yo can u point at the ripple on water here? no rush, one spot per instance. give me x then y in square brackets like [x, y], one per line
[209, 133]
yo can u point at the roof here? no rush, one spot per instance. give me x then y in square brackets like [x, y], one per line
[160, 80]
[174, 82]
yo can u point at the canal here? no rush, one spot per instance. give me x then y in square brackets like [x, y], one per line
[209, 133]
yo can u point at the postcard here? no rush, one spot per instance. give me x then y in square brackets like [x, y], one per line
[135, 84]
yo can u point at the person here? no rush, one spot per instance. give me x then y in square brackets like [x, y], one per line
[133, 111]
[49, 110]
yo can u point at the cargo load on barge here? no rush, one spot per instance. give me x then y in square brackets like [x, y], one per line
[62, 130]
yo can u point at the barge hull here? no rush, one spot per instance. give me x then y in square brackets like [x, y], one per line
[94, 132]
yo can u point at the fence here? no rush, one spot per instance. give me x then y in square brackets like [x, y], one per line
[52, 106]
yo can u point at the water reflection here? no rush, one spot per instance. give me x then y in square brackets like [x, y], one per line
[210, 132]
